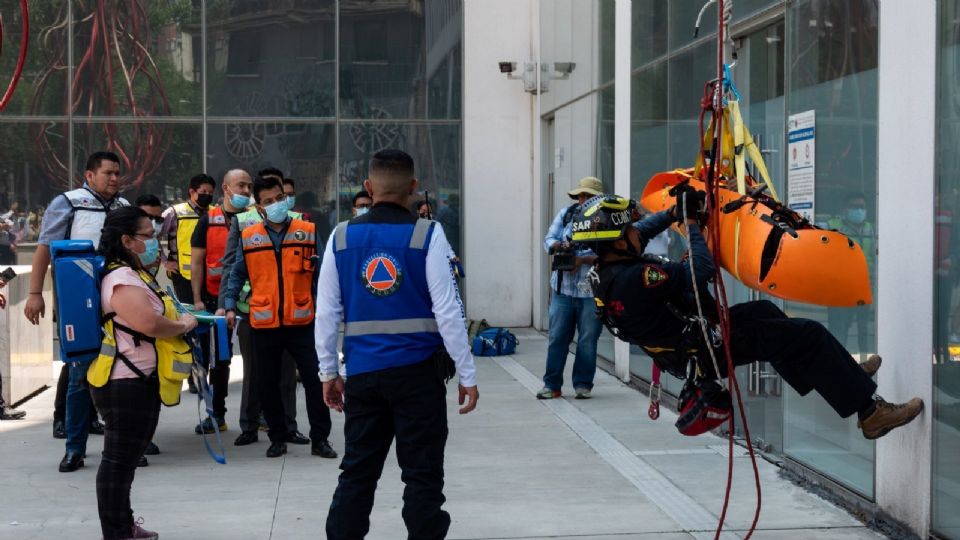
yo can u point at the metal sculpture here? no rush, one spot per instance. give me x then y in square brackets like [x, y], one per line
[115, 76]
[21, 58]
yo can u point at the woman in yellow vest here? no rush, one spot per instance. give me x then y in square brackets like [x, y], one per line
[142, 362]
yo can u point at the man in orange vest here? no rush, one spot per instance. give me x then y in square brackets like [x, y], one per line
[207, 247]
[279, 256]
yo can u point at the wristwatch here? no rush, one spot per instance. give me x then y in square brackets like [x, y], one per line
[327, 377]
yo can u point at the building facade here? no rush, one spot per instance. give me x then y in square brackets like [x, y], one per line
[505, 104]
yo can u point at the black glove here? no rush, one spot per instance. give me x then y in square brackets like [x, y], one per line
[691, 203]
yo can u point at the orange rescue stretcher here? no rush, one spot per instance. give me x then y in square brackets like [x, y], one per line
[764, 244]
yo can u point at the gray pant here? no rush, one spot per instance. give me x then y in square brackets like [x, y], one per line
[250, 407]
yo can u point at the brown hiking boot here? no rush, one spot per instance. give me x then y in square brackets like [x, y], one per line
[872, 365]
[887, 416]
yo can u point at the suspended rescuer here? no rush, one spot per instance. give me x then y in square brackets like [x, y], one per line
[207, 247]
[387, 276]
[279, 258]
[75, 215]
[650, 301]
[251, 409]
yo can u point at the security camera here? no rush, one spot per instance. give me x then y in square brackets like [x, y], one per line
[508, 67]
[565, 68]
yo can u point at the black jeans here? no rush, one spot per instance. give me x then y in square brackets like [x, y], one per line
[131, 409]
[60, 399]
[182, 288]
[219, 372]
[269, 346]
[802, 351]
[408, 403]
[250, 406]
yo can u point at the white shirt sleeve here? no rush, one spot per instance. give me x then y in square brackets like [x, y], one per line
[447, 306]
[329, 310]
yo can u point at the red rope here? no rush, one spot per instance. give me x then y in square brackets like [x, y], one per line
[713, 102]
[21, 59]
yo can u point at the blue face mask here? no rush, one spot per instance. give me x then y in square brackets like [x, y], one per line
[151, 253]
[276, 212]
[856, 215]
[291, 201]
[240, 201]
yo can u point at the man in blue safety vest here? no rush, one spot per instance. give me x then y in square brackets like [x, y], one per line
[387, 275]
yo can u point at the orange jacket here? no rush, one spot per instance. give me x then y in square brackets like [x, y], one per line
[217, 230]
[281, 282]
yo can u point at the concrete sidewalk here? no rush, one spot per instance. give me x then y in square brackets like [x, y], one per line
[515, 468]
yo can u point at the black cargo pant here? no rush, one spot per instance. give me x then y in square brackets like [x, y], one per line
[250, 406]
[408, 403]
[802, 351]
[268, 347]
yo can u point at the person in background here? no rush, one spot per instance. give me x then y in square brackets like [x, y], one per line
[571, 307]
[125, 385]
[425, 209]
[361, 203]
[853, 223]
[75, 215]
[179, 222]
[251, 410]
[8, 235]
[208, 247]
[278, 258]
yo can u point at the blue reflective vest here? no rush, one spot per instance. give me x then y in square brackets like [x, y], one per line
[387, 310]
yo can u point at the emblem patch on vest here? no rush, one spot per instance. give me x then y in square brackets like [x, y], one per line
[300, 236]
[257, 239]
[381, 274]
[653, 276]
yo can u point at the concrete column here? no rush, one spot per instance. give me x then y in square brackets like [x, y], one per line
[906, 141]
[622, 138]
[498, 162]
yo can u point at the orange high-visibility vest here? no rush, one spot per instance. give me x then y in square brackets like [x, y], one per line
[280, 281]
[217, 230]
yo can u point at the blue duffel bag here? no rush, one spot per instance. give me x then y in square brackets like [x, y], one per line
[494, 342]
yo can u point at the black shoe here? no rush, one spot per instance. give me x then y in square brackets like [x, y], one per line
[9, 413]
[71, 461]
[207, 426]
[59, 430]
[277, 449]
[151, 450]
[295, 437]
[143, 462]
[323, 449]
[96, 427]
[245, 438]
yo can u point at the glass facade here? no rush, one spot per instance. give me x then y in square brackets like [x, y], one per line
[946, 367]
[313, 87]
[577, 107]
[796, 56]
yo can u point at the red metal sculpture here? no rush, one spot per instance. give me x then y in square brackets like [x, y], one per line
[24, 41]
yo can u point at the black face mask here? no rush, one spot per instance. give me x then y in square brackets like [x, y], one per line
[204, 200]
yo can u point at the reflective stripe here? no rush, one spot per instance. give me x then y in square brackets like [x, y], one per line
[420, 231]
[107, 349]
[292, 237]
[181, 367]
[340, 237]
[187, 267]
[299, 313]
[401, 326]
[216, 271]
[262, 315]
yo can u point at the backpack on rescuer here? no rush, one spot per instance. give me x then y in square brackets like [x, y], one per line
[76, 269]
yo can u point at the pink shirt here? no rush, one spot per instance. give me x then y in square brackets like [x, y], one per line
[143, 357]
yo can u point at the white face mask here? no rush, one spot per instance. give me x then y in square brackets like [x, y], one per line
[362, 211]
